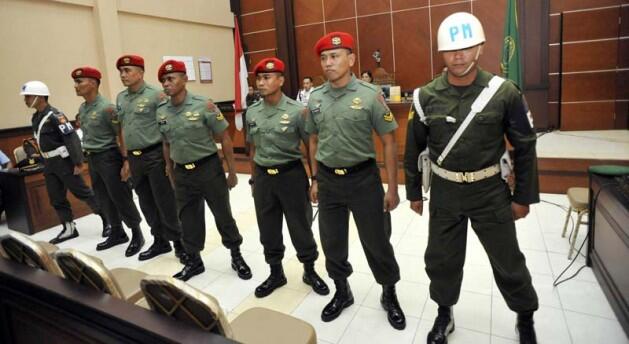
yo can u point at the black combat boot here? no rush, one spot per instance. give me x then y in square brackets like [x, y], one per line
[525, 328]
[106, 231]
[444, 325]
[137, 241]
[68, 232]
[312, 279]
[239, 265]
[275, 280]
[117, 237]
[389, 302]
[159, 246]
[194, 266]
[342, 299]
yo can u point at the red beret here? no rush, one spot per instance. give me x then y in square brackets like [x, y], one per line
[269, 65]
[334, 40]
[171, 66]
[130, 60]
[86, 72]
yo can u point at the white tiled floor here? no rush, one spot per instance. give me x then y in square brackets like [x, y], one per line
[575, 312]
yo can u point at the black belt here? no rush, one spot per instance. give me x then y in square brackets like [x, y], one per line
[343, 171]
[91, 153]
[138, 152]
[194, 164]
[275, 170]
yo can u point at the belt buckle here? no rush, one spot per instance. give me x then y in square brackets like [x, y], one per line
[461, 177]
[31, 161]
[340, 171]
[190, 166]
[137, 152]
[272, 171]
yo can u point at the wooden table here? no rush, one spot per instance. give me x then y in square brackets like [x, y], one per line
[26, 201]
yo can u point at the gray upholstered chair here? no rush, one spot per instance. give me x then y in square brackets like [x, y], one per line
[89, 271]
[176, 299]
[24, 250]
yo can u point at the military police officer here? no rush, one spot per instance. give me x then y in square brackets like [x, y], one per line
[190, 124]
[141, 139]
[279, 180]
[63, 158]
[466, 181]
[343, 112]
[105, 161]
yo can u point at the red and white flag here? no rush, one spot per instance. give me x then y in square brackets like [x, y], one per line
[242, 86]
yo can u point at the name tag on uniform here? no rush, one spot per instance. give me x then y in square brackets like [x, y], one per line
[450, 119]
[316, 110]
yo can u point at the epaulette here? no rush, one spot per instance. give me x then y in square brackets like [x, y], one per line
[209, 104]
[256, 103]
[318, 88]
[370, 86]
[294, 102]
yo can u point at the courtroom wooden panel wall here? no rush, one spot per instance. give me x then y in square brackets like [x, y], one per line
[588, 64]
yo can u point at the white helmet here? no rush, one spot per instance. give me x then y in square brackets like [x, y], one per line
[458, 31]
[34, 88]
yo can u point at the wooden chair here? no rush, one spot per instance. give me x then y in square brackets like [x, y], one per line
[176, 299]
[579, 202]
[90, 271]
[24, 250]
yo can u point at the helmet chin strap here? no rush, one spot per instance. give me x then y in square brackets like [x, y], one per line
[33, 102]
[469, 68]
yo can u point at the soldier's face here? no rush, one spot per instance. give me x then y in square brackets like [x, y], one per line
[84, 86]
[131, 75]
[174, 83]
[460, 62]
[336, 63]
[31, 101]
[269, 83]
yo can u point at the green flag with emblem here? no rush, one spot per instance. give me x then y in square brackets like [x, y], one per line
[510, 64]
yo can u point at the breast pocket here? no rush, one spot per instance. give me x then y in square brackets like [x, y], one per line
[283, 135]
[488, 126]
[195, 130]
[355, 124]
[439, 130]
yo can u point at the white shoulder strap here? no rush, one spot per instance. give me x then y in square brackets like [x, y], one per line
[41, 124]
[418, 106]
[479, 104]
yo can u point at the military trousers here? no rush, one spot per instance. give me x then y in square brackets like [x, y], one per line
[59, 176]
[360, 192]
[155, 193]
[487, 204]
[204, 182]
[280, 195]
[114, 195]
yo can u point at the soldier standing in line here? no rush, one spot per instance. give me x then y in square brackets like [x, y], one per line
[190, 125]
[343, 112]
[278, 178]
[105, 162]
[144, 161]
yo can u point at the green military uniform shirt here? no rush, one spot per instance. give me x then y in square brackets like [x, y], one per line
[276, 131]
[99, 133]
[189, 128]
[482, 144]
[344, 119]
[136, 113]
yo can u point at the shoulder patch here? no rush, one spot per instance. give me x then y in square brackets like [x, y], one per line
[317, 89]
[219, 116]
[109, 110]
[61, 117]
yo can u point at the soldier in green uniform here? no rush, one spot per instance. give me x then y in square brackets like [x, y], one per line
[343, 112]
[105, 161]
[190, 126]
[467, 183]
[278, 178]
[141, 139]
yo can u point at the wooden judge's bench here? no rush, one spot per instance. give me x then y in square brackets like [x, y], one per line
[26, 201]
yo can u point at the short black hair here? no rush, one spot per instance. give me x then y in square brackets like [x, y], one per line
[308, 77]
[368, 73]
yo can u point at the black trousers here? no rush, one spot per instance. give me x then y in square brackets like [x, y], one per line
[114, 195]
[156, 195]
[205, 182]
[487, 205]
[360, 192]
[276, 196]
[59, 177]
